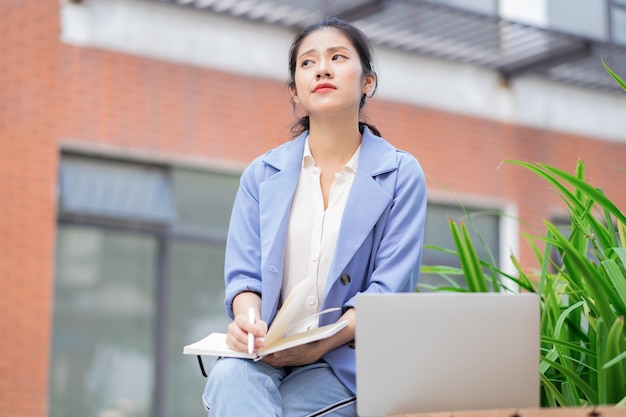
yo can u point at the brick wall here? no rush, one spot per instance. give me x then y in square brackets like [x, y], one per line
[465, 155]
[52, 93]
[28, 124]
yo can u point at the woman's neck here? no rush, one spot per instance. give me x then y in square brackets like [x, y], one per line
[334, 142]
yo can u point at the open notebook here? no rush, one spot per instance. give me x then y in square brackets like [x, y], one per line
[279, 336]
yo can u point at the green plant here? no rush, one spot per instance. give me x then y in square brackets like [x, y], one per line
[615, 76]
[582, 292]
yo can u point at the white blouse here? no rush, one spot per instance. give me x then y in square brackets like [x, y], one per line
[312, 232]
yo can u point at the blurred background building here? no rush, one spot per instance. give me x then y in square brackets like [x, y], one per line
[124, 126]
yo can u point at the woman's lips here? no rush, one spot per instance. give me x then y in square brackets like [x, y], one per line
[320, 88]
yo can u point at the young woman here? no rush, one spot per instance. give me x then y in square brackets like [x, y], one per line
[337, 205]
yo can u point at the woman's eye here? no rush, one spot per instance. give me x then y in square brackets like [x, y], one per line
[338, 56]
[306, 62]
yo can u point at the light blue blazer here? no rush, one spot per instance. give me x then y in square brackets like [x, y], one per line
[379, 246]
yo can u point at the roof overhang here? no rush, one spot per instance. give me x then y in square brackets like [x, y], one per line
[432, 29]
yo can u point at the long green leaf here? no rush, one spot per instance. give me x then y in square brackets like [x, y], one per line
[440, 249]
[592, 278]
[612, 237]
[580, 174]
[523, 281]
[621, 254]
[551, 174]
[570, 345]
[465, 258]
[615, 360]
[603, 383]
[542, 172]
[621, 231]
[618, 279]
[490, 264]
[571, 394]
[456, 237]
[571, 375]
[449, 289]
[543, 261]
[614, 75]
[566, 356]
[559, 324]
[594, 359]
[589, 190]
[555, 397]
[550, 354]
[615, 373]
[441, 270]
[473, 260]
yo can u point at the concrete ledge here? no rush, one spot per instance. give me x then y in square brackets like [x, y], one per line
[531, 412]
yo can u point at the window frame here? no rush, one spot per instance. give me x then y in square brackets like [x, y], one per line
[508, 226]
[164, 233]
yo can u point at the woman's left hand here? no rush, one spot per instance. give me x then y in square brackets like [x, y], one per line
[297, 356]
[312, 352]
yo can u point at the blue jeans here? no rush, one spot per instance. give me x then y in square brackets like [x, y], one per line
[241, 387]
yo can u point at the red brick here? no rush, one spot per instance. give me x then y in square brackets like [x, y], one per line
[53, 92]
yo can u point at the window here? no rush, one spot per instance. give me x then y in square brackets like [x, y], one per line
[482, 224]
[599, 20]
[618, 22]
[579, 17]
[488, 7]
[139, 274]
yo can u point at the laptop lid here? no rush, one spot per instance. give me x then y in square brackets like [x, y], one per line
[432, 352]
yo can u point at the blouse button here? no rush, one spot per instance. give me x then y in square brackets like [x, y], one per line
[345, 279]
[311, 300]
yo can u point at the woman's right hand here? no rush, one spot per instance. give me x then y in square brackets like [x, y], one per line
[238, 329]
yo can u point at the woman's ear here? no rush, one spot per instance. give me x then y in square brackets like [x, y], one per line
[294, 95]
[369, 83]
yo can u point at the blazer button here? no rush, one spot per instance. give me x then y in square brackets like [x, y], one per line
[345, 279]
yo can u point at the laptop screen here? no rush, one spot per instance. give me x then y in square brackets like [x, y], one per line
[432, 352]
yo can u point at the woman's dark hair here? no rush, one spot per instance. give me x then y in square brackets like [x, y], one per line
[360, 42]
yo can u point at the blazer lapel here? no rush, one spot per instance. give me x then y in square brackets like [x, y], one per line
[276, 192]
[366, 202]
[275, 197]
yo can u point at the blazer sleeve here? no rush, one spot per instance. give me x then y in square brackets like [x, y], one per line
[242, 262]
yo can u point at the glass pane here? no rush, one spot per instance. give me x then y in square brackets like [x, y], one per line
[579, 17]
[530, 12]
[619, 25]
[196, 309]
[204, 199]
[483, 228]
[115, 189]
[488, 7]
[103, 343]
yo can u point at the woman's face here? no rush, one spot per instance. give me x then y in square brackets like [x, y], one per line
[329, 78]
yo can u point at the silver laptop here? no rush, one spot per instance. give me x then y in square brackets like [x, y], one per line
[440, 352]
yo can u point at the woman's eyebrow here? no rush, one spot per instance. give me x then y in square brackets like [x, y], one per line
[331, 49]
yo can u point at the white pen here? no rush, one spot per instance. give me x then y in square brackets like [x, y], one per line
[250, 335]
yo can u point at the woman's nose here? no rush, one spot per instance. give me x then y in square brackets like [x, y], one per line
[323, 71]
